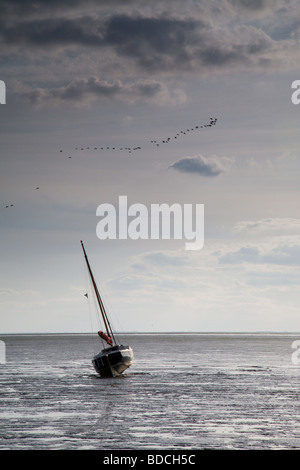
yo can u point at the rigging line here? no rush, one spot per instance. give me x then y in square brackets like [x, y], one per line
[101, 306]
[95, 288]
[91, 323]
[108, 322]
[94, 318]
[109, 307]
[91, 317]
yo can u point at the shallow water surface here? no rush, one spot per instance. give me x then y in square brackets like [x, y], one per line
[196, 391]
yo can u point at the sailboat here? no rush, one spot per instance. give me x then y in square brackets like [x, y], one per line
[111, 361]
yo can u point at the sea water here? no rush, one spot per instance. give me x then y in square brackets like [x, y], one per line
[184, 391]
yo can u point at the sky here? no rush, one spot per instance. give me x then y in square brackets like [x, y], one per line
[85, 82]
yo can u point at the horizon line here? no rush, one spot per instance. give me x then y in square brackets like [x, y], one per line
[152, 333]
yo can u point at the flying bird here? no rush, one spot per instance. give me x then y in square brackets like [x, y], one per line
[180, 134]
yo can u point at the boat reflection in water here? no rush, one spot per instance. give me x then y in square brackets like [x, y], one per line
[114, 360]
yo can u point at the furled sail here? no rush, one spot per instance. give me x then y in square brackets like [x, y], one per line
[105, 337]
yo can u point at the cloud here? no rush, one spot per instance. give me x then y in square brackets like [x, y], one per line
[160, 259]
[8, 292]
[86, 90]
[273, 224]
[248, 254]
[275, 278]
[42, 7]
[284, 255]
[152, 43]
[253, 5]
[206, 166]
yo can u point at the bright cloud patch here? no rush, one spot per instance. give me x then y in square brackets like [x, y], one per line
[206, 166]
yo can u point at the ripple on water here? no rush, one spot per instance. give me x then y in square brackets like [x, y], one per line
[220, 400]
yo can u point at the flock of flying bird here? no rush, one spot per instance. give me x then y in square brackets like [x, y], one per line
[156, 143]
[212, 122]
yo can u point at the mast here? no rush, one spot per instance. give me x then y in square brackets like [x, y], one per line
[100, 303]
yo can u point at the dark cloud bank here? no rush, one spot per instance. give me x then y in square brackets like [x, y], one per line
[157, 44]
[142, 43]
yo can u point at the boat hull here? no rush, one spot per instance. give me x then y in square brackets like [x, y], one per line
[112, 362]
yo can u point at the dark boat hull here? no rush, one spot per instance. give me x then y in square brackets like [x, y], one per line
[112, 362]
